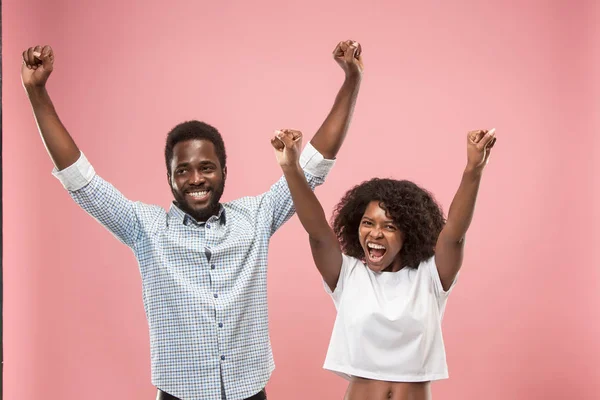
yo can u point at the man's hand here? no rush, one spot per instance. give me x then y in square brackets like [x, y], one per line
[287, 144]
[38, 63]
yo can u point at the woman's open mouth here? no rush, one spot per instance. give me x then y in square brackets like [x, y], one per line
[375, 251]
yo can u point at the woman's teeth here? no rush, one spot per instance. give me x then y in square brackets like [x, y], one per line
[376, 251]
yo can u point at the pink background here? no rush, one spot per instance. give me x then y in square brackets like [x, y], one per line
[523, 322]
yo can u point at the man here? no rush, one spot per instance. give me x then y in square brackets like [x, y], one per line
[203, 263]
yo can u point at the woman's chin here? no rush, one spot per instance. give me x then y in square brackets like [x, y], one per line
[377, 265]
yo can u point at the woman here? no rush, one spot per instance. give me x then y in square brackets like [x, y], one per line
[389, 264]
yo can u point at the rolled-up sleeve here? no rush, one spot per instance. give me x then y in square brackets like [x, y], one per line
[76, 175]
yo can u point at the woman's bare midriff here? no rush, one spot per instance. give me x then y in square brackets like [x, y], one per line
[368, 389]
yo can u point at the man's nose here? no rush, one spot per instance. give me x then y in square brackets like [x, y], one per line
[197, 178]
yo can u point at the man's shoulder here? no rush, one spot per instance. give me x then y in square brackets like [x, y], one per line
[245, 202]
[150, 209]
[249, 208]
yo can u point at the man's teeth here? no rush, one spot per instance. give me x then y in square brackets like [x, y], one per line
[375, 246]
[198, 194]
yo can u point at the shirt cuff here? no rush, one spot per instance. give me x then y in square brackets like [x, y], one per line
[314, 163]
[76, 175]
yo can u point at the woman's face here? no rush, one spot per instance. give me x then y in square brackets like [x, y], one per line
[380, 239]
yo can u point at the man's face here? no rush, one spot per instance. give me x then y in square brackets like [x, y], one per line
[197, 179]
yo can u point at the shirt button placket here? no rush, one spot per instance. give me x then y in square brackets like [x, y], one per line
[210, 226]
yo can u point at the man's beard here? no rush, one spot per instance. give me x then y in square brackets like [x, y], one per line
[205, 213]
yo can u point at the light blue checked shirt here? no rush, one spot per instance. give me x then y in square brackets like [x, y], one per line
[204, 284]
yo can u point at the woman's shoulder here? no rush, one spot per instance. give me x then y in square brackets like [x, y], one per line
[350, 261]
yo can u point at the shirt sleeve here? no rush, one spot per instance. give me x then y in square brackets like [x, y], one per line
[76, 175]
[348, 263]
[437, 281]
[279, 199]
[101, 200]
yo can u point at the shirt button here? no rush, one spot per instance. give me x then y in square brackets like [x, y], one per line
[212, 266]
[223, 358]
[220, 324]
[216, 295]
[208, 226]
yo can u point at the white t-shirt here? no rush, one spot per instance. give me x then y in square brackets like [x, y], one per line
[388, 324]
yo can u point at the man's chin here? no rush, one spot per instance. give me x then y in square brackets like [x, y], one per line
[200, 212]
[204, 213]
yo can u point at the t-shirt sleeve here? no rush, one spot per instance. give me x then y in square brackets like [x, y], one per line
[348, 264]
[436, 280]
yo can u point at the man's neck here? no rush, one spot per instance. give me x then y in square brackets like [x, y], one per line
[204, 216]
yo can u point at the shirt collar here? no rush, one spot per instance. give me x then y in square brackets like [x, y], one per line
[184, 218]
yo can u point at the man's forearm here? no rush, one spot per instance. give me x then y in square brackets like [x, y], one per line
[60, 146]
